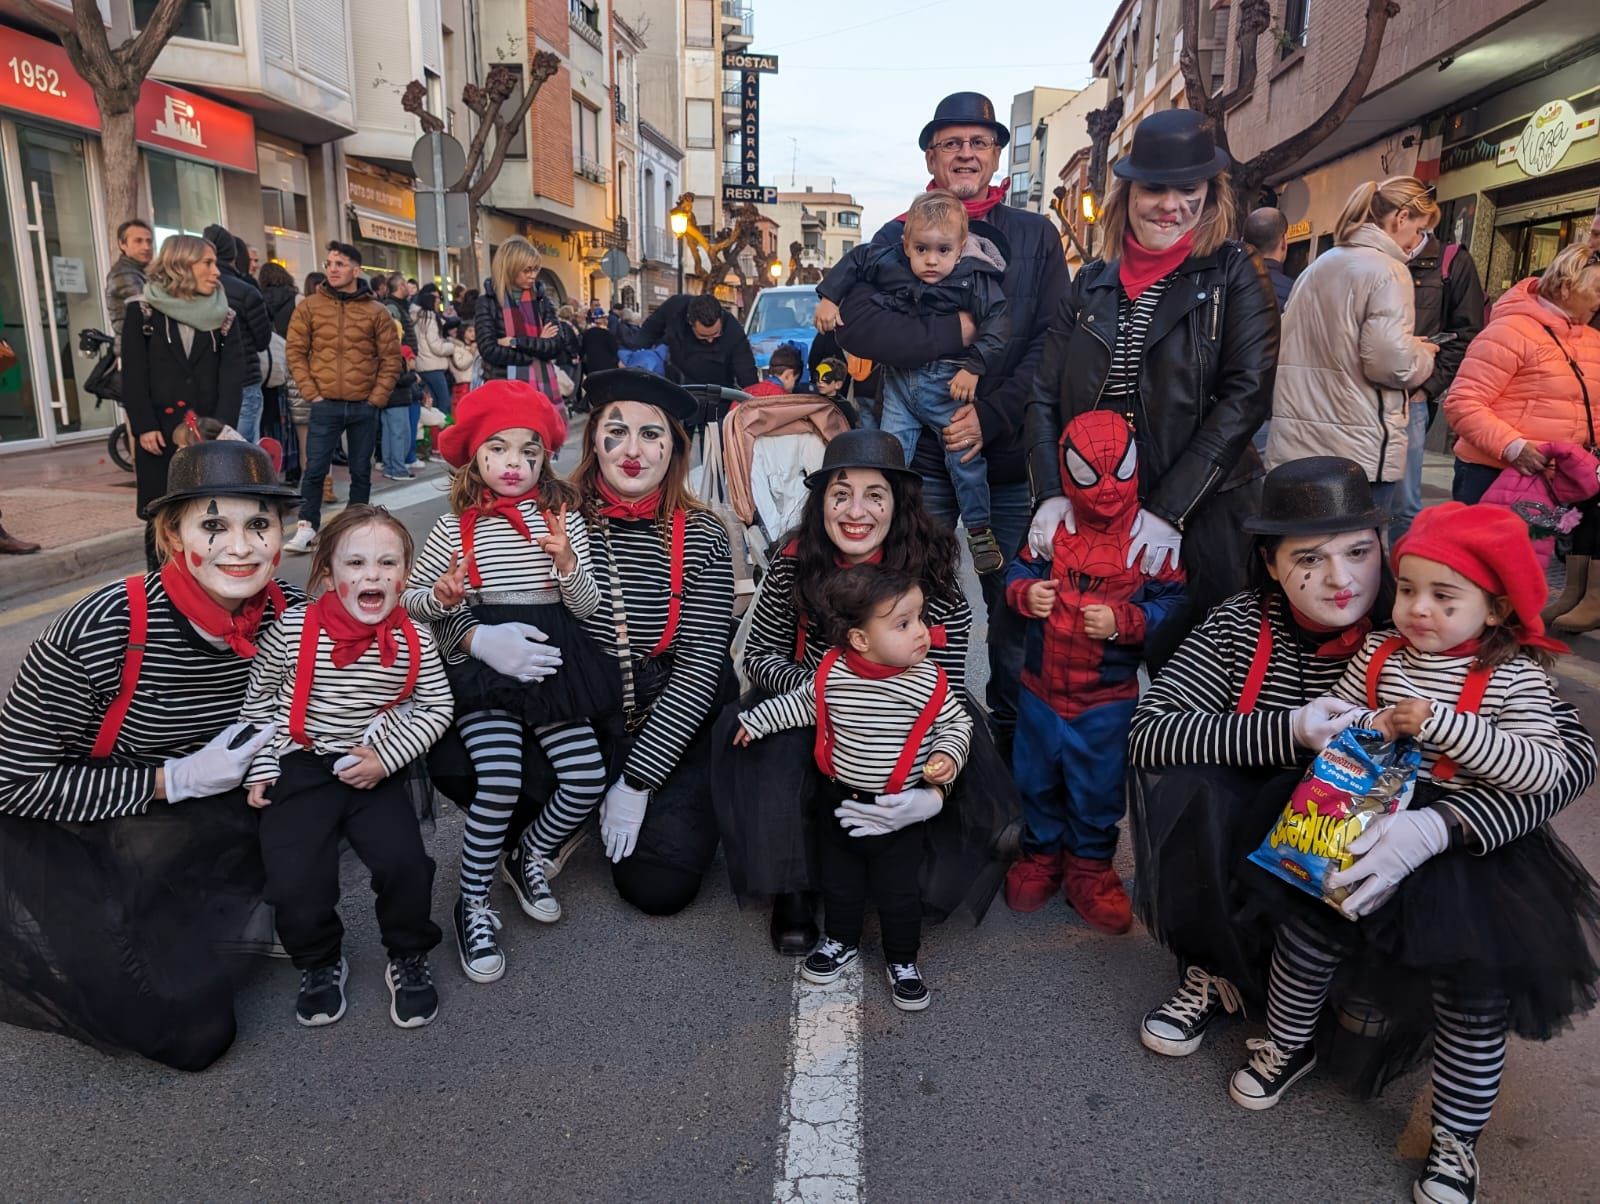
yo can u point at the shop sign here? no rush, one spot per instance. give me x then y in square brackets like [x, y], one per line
[1543, 142]
[1301, 229]
[69, 274]
[36, 77]
[378, 229]
[368, 191]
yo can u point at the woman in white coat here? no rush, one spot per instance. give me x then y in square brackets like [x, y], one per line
[1351, 359]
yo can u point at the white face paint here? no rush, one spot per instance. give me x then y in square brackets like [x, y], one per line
[231, 545]
[857, 512]
[1330, 579]
[634, 444]
[369, 571]
[509, 461]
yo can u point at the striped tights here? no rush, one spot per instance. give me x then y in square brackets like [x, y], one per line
[494, 742]
[1469, 1034]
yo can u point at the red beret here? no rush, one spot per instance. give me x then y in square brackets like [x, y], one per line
[1490, 547]
[500, 405]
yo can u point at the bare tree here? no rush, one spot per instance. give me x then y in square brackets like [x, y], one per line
[115, 74]
[488, 104]
[1255, 18]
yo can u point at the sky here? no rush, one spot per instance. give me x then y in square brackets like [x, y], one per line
[858, 79]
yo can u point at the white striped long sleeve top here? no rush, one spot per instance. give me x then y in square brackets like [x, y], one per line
[349, 706]
[1511, 742]
[189, 690]
[872, 720]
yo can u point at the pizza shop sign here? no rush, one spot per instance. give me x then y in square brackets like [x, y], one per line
[1543, 142]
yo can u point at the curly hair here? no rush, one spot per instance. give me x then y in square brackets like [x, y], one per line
[854, 595]
[173, 269]
[917, 544]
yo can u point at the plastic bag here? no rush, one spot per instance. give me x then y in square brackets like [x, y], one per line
[1358, 777]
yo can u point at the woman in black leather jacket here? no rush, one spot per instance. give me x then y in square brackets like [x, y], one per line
[1178, 331]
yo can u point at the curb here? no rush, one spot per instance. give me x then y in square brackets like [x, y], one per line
[61, 566]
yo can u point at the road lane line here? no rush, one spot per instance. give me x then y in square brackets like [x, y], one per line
[13, 615]
[821, 1138]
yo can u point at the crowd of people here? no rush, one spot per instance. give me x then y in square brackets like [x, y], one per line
[183, 751]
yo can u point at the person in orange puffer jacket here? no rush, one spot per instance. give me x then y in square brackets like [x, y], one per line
[1533, 377]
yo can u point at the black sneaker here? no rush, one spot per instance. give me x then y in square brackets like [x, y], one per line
[413, 1000]
[525, 871]
[476, 924]
[910, 992]
[986, 554]
[827, 961]
[1261, 1081]
[1451, 1175]
[1178, 1026]
[321, 999]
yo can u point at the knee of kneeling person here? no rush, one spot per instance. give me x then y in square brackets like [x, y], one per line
[656, 890]
[195, 1037]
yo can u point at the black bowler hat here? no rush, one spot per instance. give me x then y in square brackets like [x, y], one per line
[635, 384]
[1177, 146]
[222, 468]
[861, 449]
[963, 108]
[1319, 495]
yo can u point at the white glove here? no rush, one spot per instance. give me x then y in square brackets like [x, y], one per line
[1151, 541]
[1053, 512]
[621, 816]
[216, 768]
[348, 761]
[1320, 720]
[891, 812]
[516, 649]
[1392, 847]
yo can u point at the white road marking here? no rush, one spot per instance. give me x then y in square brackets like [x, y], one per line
[821, 1138]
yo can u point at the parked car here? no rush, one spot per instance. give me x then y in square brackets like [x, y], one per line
[782, 315]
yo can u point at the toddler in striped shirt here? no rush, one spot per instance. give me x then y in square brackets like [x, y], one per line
[891, 737]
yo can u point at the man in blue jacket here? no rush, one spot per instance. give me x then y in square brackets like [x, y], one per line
[962, 147]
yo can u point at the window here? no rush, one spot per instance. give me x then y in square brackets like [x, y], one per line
[1019, 143]
[700, 120]
[1019, 186]
[285, 189]
[184, 196]
[586, 159]
[203, 20]
[850, 220]
[519, 140]
[1296, 20]
[1155, 33]
[699, 26]
[846, 247]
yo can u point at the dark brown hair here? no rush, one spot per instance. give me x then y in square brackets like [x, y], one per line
[852, 597]
[1499, 644]
[340, 525]
[469, 489]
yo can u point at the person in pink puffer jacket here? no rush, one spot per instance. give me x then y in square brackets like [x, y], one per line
[1533, 377]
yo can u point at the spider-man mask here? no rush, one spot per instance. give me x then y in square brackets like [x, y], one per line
[1099, 466]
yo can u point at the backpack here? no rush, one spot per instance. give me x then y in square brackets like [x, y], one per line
[275, 362]
[647, 359]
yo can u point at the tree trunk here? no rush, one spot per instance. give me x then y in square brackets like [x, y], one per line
[119, 150]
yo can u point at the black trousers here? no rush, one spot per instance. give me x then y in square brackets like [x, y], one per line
[311, 810]
[849, 867]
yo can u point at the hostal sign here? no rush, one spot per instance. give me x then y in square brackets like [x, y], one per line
[750, 67]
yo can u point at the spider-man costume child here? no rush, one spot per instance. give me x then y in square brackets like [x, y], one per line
[1089, 613]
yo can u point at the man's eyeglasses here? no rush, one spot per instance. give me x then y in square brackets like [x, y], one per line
[951, 146]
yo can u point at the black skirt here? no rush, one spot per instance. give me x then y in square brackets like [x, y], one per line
[769, 799]
[114, 933]
[588, 685]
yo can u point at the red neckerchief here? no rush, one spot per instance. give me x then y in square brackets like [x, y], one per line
[978, 207]
[1465, 648]
[618, 507]
[351, 637]
[875, 557]
[862, 667]
[495, 504]
[1140, 268]
[237, 627]
[1346, 641]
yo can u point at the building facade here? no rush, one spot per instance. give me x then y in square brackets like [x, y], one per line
[1027, 108]
[824, 221]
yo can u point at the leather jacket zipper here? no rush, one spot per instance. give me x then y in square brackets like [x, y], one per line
[1216, 309]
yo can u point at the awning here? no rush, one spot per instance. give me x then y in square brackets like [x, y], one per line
[377, 227]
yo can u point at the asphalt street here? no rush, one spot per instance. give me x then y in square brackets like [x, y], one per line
[629, 1058]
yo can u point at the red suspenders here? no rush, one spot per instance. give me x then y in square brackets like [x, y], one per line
[305, 671]
[1472, 691]
[138, 629]
[919, 729]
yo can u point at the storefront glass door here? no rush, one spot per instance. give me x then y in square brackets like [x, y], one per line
[19, 413]
[67, 271]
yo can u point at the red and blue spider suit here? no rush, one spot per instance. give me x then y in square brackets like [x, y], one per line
[1079, 690]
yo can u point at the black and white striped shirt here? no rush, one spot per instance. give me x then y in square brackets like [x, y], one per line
[349, 706]
[1187, 716]
[769, 650]
[1511, 742]
[639, 553]
[1127, 356]
[189, 690]
[872, 719]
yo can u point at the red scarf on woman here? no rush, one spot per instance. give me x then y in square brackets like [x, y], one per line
[1345, 641]
[351, 637]
[237, 627]
[977, 207]
[1140, 268]
[616, 506]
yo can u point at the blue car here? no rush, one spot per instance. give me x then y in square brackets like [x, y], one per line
[782, 315]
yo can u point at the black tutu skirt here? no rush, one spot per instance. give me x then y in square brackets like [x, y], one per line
[769, 801]
[1192, 828]
[115, 933]
[587, 686]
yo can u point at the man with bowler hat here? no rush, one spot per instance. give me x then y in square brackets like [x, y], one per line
[961, 146]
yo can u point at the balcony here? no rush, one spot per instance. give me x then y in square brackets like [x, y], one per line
[738, 24]
[591, 169]
[585, 21]
[732, 99]
[658, 246]
[596, 244]
[619, 106]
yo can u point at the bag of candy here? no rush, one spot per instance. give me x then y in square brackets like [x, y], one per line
[1359, 776]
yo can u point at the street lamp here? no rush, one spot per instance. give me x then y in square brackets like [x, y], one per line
[775, 270]
[1091, 215]
[679, 221]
